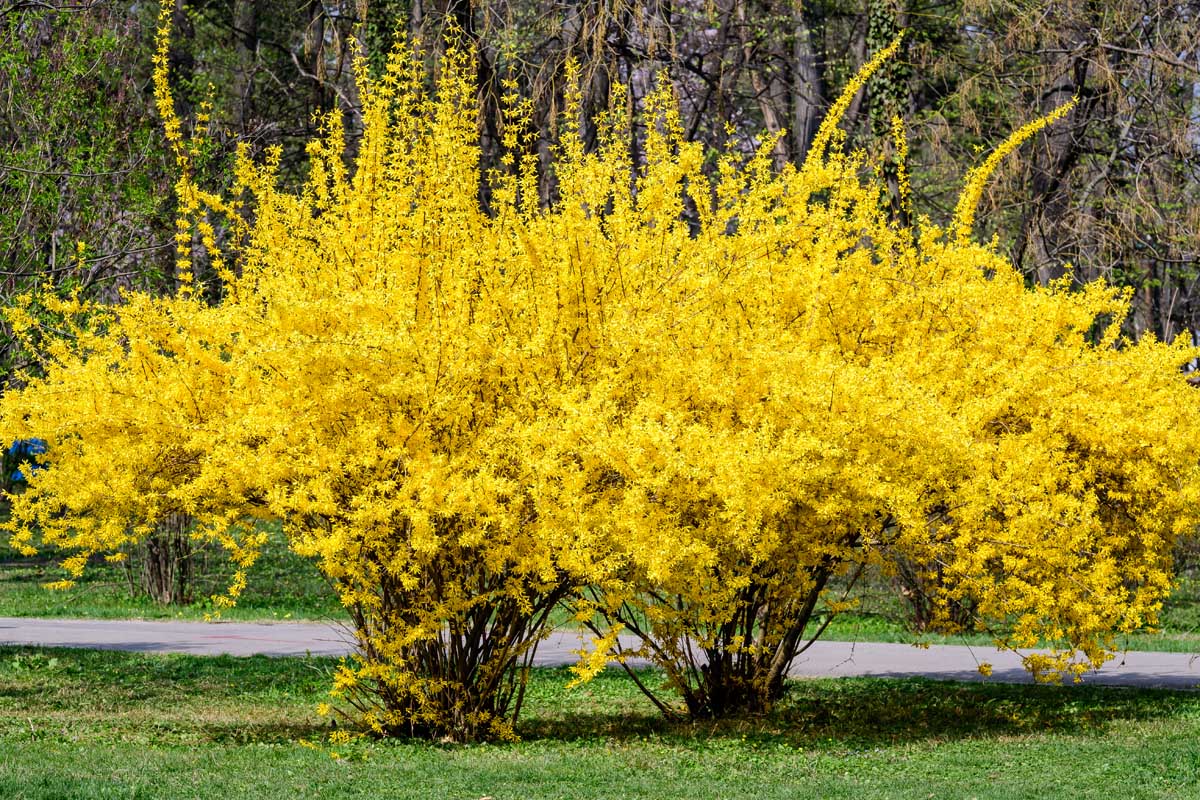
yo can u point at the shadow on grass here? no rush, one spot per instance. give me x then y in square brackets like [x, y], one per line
[871, 712]
[261, 733]
[165, 699]
[91, 672]
[233, 700]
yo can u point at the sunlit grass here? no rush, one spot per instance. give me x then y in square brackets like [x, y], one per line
[94, 724]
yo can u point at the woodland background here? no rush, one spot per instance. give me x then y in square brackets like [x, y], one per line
[1113, 190]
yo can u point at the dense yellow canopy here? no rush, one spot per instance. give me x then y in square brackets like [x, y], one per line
[687, 399]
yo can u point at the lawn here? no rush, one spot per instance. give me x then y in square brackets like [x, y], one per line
[91, 724]
[281, 586]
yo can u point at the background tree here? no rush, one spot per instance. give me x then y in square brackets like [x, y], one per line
[970, 73]
[81, 161]
[1113, 191]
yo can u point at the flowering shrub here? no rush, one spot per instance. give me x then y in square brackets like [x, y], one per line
[686, 403]
[823, 391]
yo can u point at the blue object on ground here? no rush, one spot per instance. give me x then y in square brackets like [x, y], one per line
[25, 451]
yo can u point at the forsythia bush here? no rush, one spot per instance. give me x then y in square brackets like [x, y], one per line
[824, 391]
[685, 401]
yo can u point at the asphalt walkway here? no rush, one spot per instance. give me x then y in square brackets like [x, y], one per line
[823, 659]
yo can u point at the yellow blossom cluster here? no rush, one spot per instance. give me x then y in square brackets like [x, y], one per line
[689, 402]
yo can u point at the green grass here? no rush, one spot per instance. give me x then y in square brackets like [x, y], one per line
[91, 724]
[881, 619]
[281, 585]
[1179, 630]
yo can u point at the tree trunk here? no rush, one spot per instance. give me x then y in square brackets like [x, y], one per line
[246, 14]
[165, 571]
[808, 88]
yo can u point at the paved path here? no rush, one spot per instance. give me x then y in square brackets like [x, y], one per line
[823, 659]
